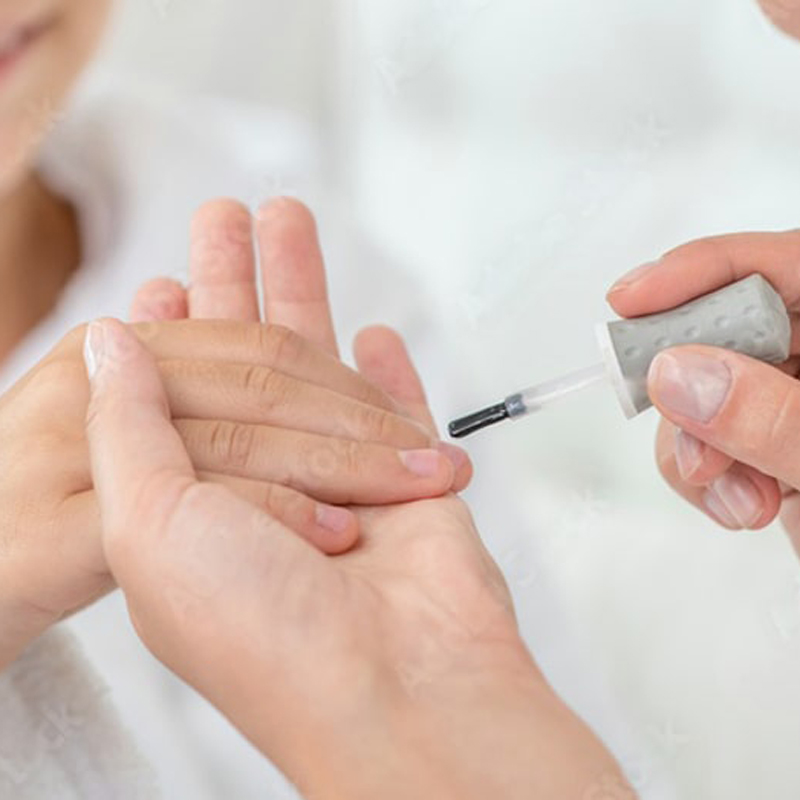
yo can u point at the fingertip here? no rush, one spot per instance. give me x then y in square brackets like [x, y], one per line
[160, 300]
[218, 211]
[462, 465]
[284, 207]
[339, 529]
[434, 471]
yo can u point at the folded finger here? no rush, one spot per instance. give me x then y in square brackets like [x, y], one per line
[738, 498]
[331, 529]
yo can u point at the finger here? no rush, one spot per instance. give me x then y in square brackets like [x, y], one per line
[131, 439]
[222, 263]
[701, 266]
[331, 529]
[260, 395]
[246, 343]
[330, 470]
[293, 272]
[740, 497]
[698, 462]
[208, 578]
[383, 359]
[784, 14]
[160, 300]
[738, 405]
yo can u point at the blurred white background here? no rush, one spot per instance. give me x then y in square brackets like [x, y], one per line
[516, 156]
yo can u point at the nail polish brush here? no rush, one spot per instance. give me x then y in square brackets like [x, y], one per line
[748, 316]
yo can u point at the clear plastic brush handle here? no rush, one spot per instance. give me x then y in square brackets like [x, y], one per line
[537, 397]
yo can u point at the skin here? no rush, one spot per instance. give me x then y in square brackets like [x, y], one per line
[784, 13]
[276, 419]
[39, 242]
[394, 670]
[756, 449]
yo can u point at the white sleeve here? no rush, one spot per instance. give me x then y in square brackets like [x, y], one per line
[60, 737]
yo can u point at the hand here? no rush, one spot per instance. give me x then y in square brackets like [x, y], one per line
[783, 13]
[394, 670]
[731, 436]
[279, 421]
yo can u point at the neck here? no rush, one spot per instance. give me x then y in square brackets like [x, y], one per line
[39, 251]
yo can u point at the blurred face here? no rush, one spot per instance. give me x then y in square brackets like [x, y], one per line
[784, 13]
[44, 45]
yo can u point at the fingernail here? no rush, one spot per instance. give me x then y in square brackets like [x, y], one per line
[333, 518]
[94, 348]
[457, 457]
[690, 384]
[627, 280]
[423, 463]
[735, 500]
[688, 453]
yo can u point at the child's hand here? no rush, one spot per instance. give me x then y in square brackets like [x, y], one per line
[731, 442]
[278, 420]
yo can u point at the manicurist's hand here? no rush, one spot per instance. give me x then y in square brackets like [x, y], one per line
[730, 442]
[277, 419]
[394, 670]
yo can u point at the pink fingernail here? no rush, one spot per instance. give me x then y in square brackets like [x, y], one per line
[635, 275]
[333, 518]
[688, 453]
[689, 384]
[735, 500]
[423, 463]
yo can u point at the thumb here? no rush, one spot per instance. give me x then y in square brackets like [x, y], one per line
[139, 462]
[205, 574]
[747, 409]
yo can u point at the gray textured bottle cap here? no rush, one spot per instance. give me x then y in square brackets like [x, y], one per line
[747, 316]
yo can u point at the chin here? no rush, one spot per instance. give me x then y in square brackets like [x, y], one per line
[785, 14]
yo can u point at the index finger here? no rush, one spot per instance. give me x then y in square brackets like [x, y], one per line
[704, 265]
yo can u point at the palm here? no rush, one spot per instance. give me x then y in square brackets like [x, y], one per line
[417, 592]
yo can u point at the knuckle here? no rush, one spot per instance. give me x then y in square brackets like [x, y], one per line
[232, 443]
[374, 424]
[774, 431]
[280, 344]
[351, 457]
[263, 384]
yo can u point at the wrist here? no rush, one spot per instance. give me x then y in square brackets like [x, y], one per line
[498, 731]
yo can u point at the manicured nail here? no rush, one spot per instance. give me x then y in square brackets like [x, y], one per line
[333, 518]
[688, 453]
[627, 280]
[735, 500]
[457, 457]
[690, 384]
[94, 348]
[423, 463]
